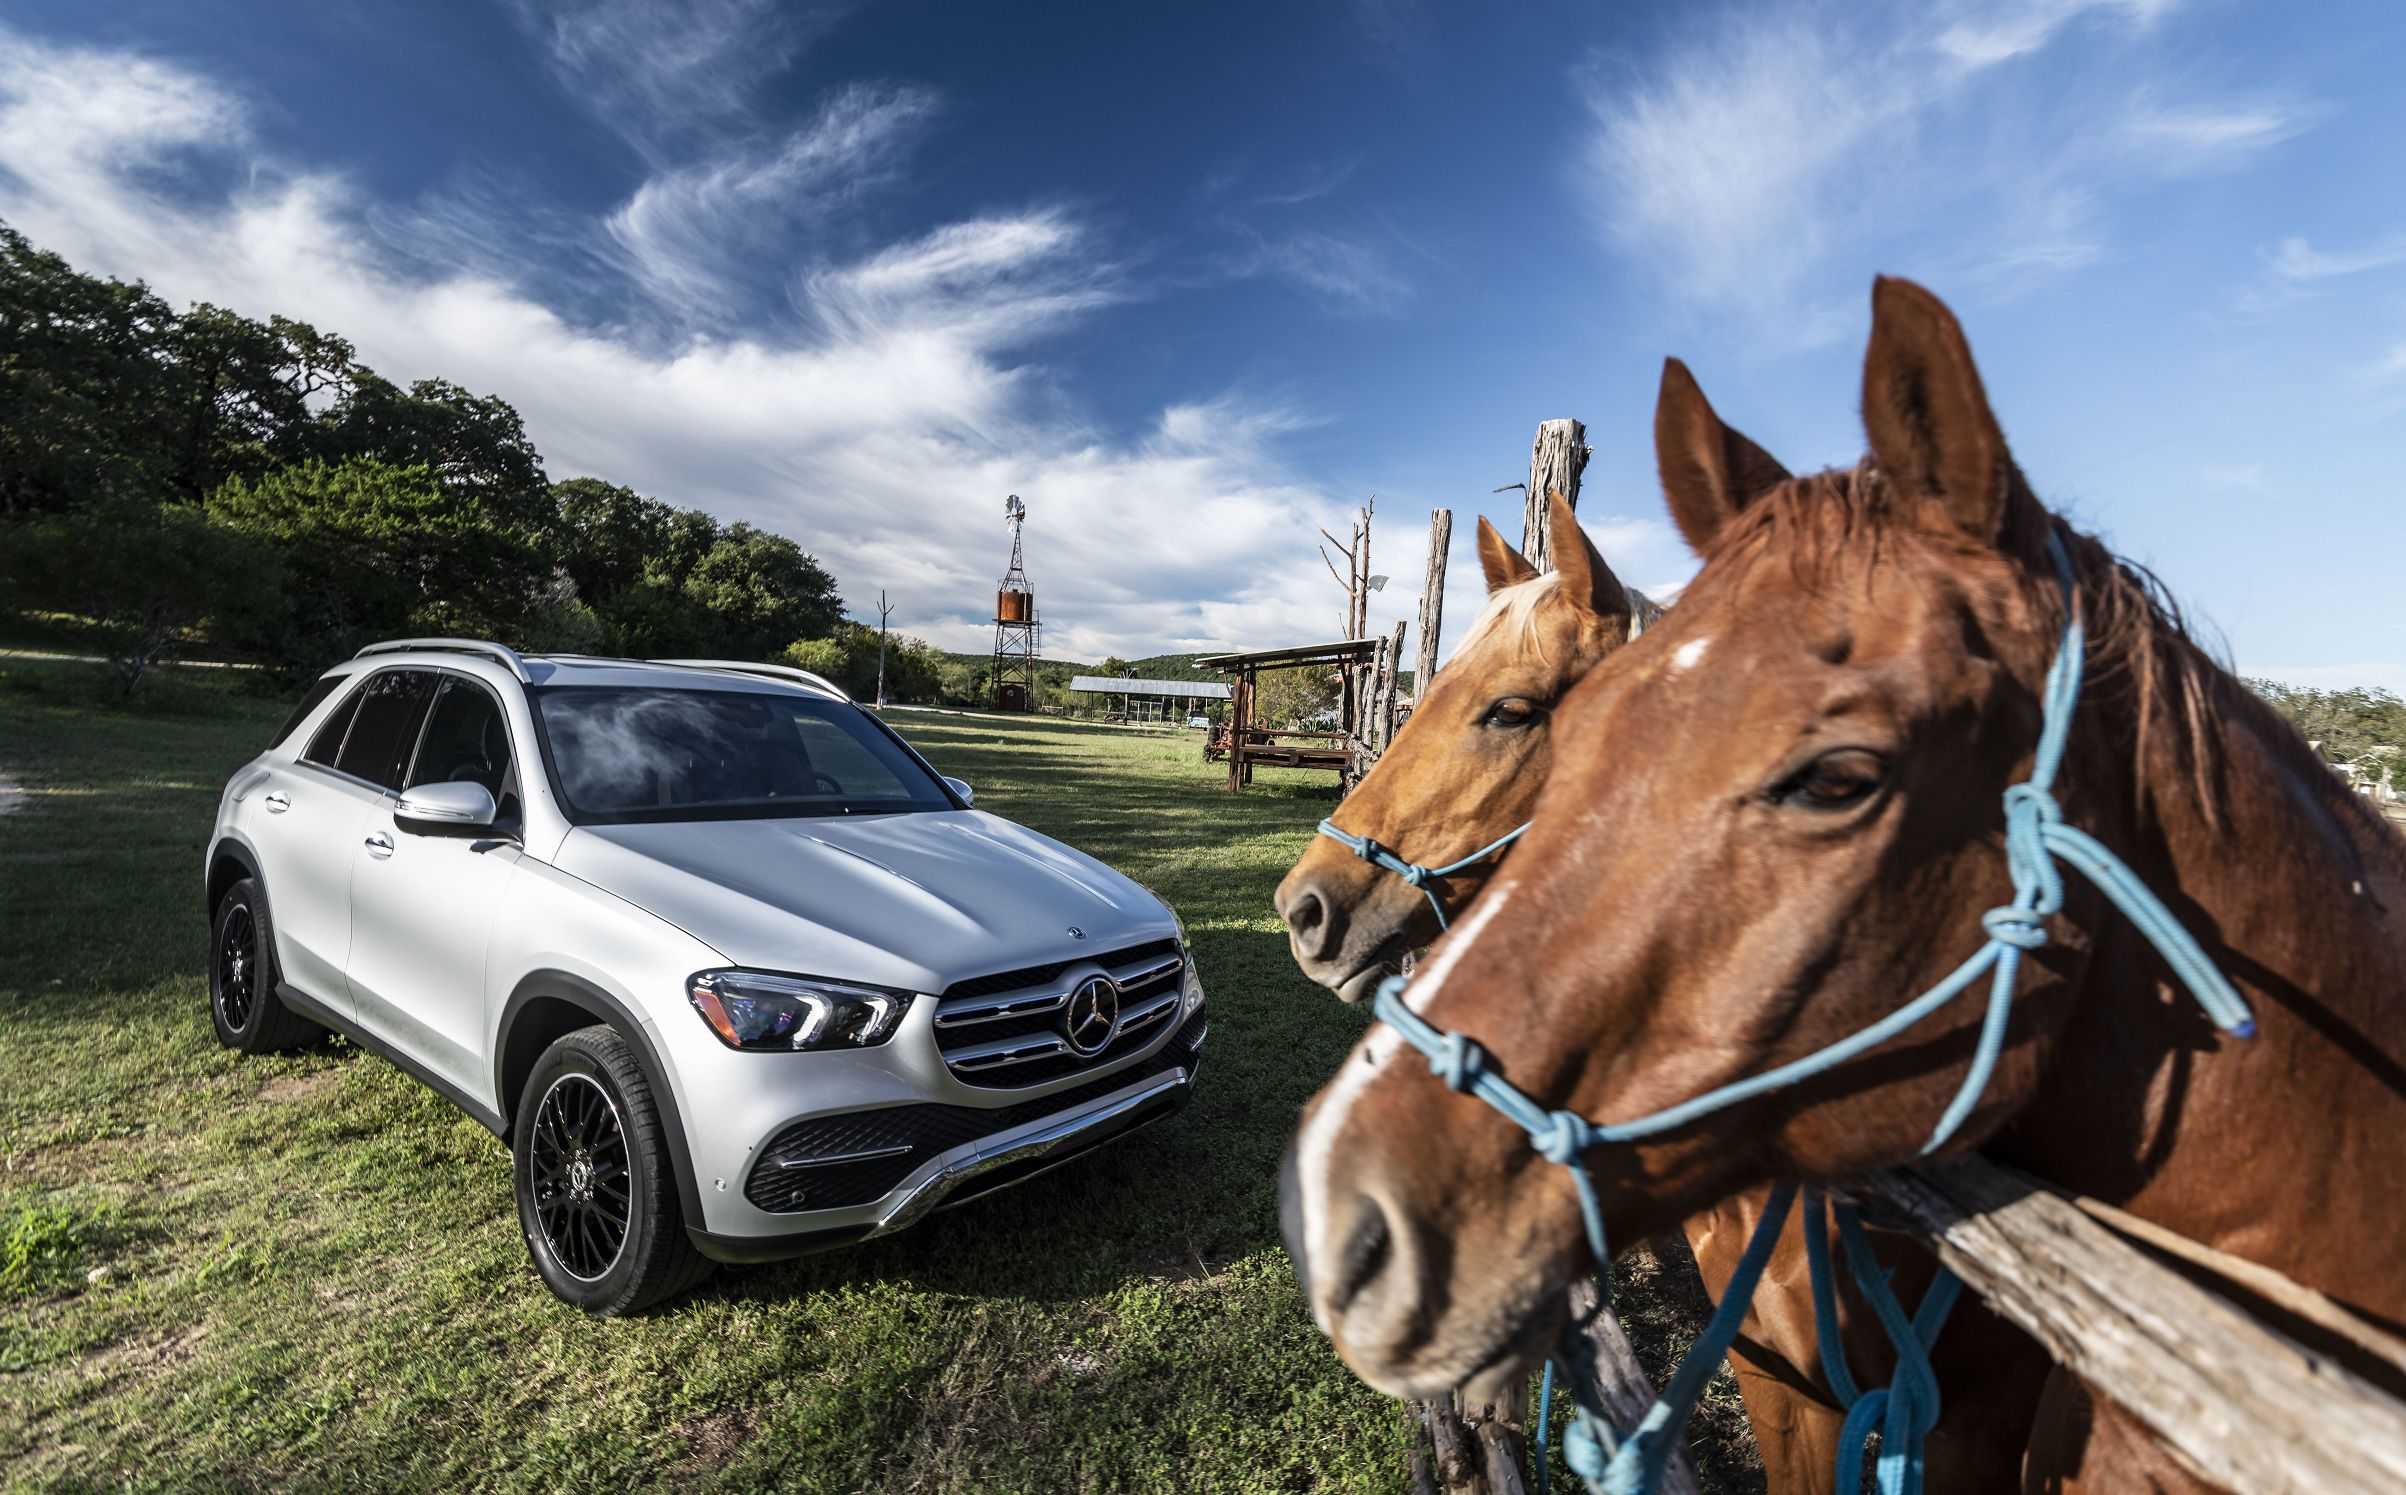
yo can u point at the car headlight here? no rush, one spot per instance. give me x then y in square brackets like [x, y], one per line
[756, 1011]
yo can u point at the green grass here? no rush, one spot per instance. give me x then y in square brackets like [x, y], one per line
[305, 1271]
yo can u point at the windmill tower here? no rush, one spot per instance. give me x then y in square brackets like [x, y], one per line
[1015, 626]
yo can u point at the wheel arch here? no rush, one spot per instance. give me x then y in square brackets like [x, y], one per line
[548, 1005]
[229, 863]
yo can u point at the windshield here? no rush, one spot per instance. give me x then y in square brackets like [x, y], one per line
[622, 755]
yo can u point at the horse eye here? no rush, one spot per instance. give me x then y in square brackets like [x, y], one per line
[1836, 779]
[1512, 711]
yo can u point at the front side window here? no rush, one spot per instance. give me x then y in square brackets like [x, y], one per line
[631, 755]
[385, 726]
[466, 738]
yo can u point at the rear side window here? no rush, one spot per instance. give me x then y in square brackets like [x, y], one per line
[328, 742]
[385, 729]
[310, 702]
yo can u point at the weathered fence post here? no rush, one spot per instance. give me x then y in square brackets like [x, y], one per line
[1432, 599]
[1555, 461]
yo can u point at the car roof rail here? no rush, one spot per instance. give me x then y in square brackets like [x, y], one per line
[773, 671]
[498, 652]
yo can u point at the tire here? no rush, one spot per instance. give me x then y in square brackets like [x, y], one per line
[243, 1006]
[596, 1188]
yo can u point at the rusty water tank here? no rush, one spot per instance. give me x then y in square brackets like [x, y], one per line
[1014, 607]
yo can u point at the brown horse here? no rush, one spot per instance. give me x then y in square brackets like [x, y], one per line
[1465, 771]
[1733, 867]
[1466, 768]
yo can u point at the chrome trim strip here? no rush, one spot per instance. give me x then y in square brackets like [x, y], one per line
[994, 1053]
[1049, 1139]
[847, 1157]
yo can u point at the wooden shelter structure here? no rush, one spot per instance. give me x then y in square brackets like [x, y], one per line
[1248, 744]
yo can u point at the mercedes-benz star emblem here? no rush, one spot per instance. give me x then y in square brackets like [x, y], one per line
[1091, 1017]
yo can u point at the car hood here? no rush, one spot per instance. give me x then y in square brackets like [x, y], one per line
[916, 901]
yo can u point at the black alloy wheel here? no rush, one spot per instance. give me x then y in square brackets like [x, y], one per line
[243, 1005]
[581, 1188]
[596, 1179]
[237, 966]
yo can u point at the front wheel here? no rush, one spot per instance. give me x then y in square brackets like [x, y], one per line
[597, 1190]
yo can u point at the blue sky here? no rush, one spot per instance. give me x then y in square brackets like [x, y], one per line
[1195, 279]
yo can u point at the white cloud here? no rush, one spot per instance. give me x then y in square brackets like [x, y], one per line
[693, 231]
[1768, 160]
[881, 429]
[2298, 261]
[664, 74]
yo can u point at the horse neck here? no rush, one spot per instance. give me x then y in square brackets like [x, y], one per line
[2283, 1148]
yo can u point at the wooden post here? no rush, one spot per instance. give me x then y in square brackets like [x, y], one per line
[1432, 599]
[1600, 1371]
[1555, 461]
[1389, 690]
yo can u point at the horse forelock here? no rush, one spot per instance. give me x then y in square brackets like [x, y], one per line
[1510, 617]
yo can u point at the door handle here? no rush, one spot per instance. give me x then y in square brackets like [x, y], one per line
[278, 802]
[380, 845]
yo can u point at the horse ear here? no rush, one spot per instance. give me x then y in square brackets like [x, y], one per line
[1925, 411]
[1709, 472]
[1504, 565]
[1586, 580]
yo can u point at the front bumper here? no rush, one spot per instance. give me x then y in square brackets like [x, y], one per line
[1014, 1148]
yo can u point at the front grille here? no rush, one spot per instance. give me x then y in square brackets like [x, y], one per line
[884, 1147]
[1004, 1031]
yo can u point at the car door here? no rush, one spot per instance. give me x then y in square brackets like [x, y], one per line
[308, 832]
[422, 906]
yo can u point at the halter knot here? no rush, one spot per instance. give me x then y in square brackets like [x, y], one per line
[1366, 849]
[1564, 1137]
[2012, 924]
[1458, 1061]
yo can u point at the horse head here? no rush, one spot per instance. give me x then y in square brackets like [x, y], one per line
[1467, 767]
[1768, 823]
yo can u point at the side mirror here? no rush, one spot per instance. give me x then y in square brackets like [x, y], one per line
[457, 808]
[968, 796]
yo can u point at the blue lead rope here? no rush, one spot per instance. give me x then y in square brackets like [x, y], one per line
[1412, 872]
[2036, 839]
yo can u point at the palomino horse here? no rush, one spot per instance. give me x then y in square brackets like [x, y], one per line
[1731, 868]
[1464, 772]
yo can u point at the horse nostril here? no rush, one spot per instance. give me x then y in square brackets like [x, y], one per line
[1307, 916]
[1365, 1252]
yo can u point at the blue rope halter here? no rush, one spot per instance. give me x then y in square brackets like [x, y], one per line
[1903, 1413]
[1412, 872]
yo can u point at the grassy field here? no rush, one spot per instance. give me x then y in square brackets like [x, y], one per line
[305, 1271]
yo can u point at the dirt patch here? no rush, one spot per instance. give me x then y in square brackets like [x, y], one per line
[298, 1087]
[140, 1358]
[713, 1439]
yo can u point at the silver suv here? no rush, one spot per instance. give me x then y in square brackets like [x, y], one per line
[734, 973]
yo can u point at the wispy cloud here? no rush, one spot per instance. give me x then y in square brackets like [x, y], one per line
[691, 230]
[665, 75]
[880, 427]
[1351, 275]
[1770, 158]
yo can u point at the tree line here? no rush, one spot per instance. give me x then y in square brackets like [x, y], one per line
[170, 476]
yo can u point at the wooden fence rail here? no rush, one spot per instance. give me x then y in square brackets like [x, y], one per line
[2239, 1402]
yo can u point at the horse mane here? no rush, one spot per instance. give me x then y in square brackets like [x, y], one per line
[2141, 654]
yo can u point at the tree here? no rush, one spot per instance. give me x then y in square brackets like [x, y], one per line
[1292, 697]
[374, 550]
[138, 577]
[760, 592]
[86, 384]
[474, 445]
[915, 671]
[2349, 724]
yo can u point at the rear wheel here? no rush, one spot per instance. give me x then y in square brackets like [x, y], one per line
[243, 1006]
[597, 1190]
